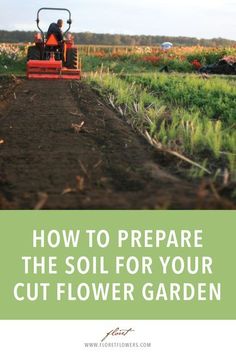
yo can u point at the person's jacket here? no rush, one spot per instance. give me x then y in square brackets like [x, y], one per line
[55, 29]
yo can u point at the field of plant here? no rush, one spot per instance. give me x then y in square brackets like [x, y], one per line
[149, 59]
[187, 115]
[180, 112]
[12, 58]
[128, 59]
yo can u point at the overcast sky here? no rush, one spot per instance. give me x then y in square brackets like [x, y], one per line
[200, 18]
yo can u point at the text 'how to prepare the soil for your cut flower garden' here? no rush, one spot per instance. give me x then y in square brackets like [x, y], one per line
[103, 278]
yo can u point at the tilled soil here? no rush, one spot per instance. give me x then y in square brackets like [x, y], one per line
[61, 147]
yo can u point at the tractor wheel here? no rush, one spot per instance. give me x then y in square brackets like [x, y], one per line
[72, 58]
[33, 53]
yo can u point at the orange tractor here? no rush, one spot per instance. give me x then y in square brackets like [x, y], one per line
[50, 58]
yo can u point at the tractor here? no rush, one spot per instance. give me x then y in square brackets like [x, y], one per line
[50, 58]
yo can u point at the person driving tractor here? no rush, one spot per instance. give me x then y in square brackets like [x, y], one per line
[55, 28]
[53, 57]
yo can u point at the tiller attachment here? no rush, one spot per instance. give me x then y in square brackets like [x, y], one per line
[51, 69]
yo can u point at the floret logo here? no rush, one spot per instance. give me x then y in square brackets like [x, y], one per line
[117, 332]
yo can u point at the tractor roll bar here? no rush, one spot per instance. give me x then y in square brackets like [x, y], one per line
[53, 9]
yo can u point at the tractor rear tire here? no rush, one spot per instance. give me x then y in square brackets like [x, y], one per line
[33, 53]
[72, 58]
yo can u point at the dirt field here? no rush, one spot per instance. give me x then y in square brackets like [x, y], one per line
[61, 147]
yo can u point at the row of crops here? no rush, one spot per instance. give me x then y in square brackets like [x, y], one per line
[188, 114]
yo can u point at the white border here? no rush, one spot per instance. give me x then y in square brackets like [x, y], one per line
[68, 337]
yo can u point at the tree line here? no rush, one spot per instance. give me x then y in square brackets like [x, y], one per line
[89, 38]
